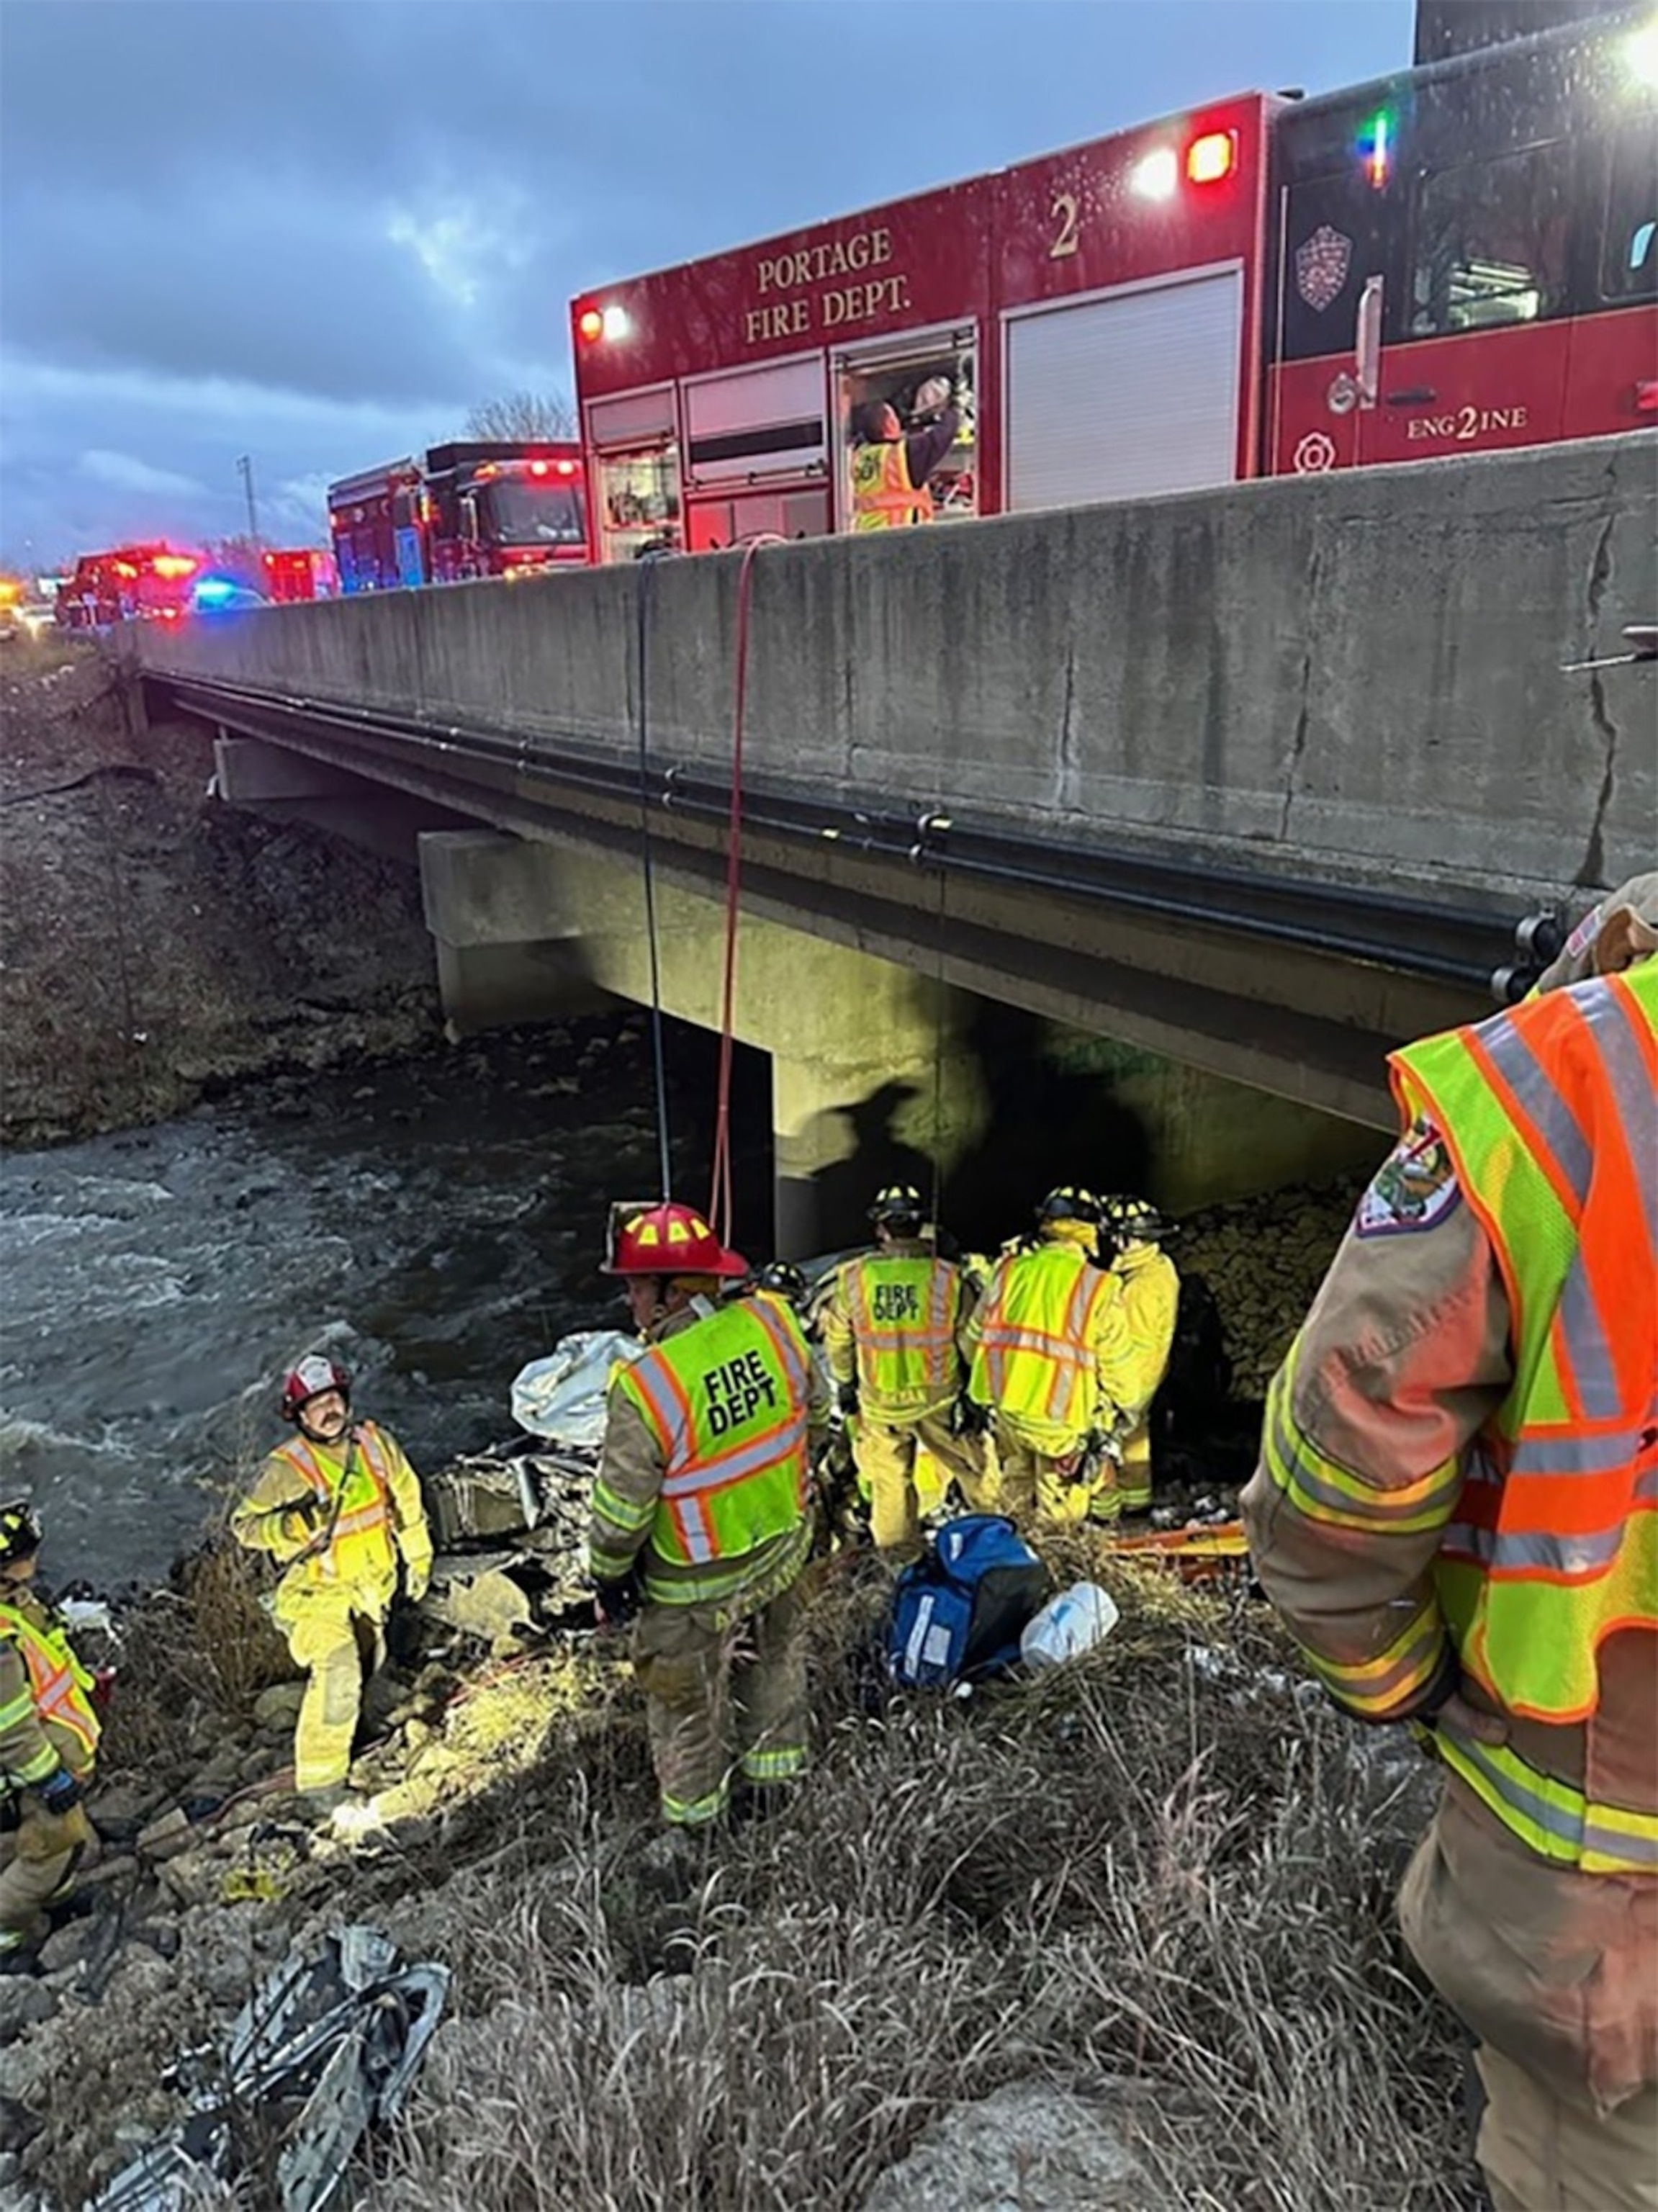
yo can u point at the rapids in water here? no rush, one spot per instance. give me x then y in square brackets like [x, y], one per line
[434, 1224]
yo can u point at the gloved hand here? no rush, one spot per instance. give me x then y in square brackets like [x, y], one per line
[1104, 1442]
[615, 1604]
[846, 1398]
[59, 1793]
[970, 1418]
[932, 396]
[416, 1580]
[299, 1520]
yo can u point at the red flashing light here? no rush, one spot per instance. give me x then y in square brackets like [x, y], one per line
[538, 468]
[590, 326]
[1646, 398]
[1212, 157]
[173, 564]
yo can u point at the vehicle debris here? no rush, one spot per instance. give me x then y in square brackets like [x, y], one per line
[323, 2051]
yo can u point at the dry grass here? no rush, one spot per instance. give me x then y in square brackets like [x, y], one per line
[1124, 1871]
[203, 1648]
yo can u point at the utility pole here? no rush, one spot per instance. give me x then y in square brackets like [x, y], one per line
[245, 465]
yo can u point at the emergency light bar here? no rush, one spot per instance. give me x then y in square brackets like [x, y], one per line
[595, 322]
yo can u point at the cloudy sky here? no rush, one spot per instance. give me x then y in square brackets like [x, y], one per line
[318, 230]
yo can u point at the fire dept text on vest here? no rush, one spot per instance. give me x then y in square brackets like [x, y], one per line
[733, 1392]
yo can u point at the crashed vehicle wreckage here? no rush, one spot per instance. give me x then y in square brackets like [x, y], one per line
[324, 2050]
[510, 1525]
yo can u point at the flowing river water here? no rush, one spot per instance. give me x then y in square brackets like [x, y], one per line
[435, 1223]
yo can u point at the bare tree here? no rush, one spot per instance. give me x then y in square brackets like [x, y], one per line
[523, 416]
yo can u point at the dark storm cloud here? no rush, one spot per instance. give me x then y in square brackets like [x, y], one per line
[318, 230]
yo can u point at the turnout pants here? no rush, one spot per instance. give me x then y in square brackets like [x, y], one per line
[45, 1851]
[335, 1635]
[718, 1699]
[1556, 1974]
[1038, 1486]
[886, 1455]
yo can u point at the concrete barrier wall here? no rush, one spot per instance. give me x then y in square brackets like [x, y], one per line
[1354, 675]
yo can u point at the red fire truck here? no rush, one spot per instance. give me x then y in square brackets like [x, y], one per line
[460, 511]
[299, 572]
[1458, 258]
[151, 583]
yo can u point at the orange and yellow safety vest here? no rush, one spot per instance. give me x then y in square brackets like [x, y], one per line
[1035, 1360]
[726, 1402]
[361, 1546]
[883, 495]
[903, 1311]
[1550, 1114]
[59, 1686]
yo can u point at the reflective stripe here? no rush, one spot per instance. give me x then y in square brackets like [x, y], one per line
[1508, 1551]
[775, 1765]
[1328, 1493]
[1394, 1676]
[694, 1812]
[1552, 1118]
[58, 1687]
[1569, 1454]
[1557, 1820]
[1610, 1018]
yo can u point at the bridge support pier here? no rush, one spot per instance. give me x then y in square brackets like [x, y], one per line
[873, 1076]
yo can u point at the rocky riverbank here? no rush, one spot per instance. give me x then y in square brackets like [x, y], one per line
[1088, 1936]
[155, 944]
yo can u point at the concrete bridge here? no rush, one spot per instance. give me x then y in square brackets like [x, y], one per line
[1244, 786]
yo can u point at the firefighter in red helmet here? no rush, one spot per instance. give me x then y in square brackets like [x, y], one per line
[340, 1509]
[700, 1522]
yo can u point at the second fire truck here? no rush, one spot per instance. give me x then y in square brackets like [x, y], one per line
[460, 511]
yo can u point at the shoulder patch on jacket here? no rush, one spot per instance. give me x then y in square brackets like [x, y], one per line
[1415, 1187]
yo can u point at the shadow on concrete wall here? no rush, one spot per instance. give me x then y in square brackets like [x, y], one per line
[1046, 1125]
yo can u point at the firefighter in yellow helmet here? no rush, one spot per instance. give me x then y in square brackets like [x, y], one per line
[339, 1510]
[1454, 1514]
[1050, 1363]
[700, 1522]
[1151, 1301]
[891, 1326]
[48, 1741]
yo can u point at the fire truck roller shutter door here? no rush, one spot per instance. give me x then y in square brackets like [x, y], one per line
[1125, 396]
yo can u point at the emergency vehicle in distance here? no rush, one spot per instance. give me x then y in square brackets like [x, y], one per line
[460, 511]
[1455, 258]
[145, 583]
[298, 572]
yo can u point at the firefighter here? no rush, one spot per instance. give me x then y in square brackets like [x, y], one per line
[1050, 1363]
[339, 1510]
[890, 471]
[891, 1327]
[48, 1741]
[1151, 1301]
[701, 1522]
[1452, 1513]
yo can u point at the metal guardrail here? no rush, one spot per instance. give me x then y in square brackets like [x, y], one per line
[1447, 943]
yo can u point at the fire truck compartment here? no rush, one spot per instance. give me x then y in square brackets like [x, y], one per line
[1129, 394]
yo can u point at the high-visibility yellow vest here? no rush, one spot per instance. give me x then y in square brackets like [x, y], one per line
[1551, 1114]
[903, 1310]
[726, 1402]
[59, 1685]
[1035, 1358]
[363, 1548]
[883, 496]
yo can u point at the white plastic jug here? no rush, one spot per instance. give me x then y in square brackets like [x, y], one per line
[1076, 1620]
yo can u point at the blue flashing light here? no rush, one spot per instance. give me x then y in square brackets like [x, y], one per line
[216, 592]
